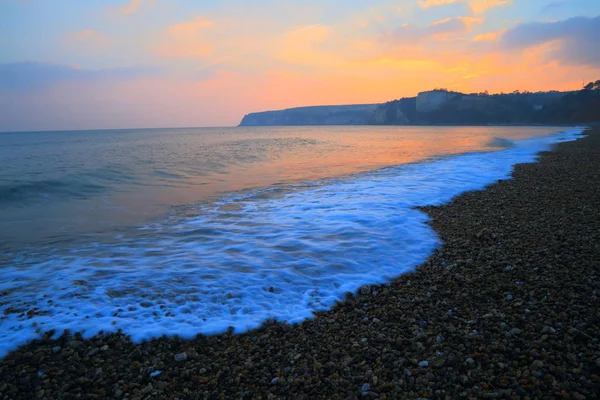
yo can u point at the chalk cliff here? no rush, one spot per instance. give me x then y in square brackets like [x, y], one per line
[431, 101]
[439, 107]
[359, 114]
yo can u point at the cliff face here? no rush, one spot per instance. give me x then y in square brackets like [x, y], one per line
[360, 114]
[452, 108]
[442, 107]
[431, 101]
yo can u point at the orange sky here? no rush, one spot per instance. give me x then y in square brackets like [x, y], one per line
[156, 63]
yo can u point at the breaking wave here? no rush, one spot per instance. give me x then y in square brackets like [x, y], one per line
[279, 253]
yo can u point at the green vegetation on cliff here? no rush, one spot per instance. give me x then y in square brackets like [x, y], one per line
[444, 107]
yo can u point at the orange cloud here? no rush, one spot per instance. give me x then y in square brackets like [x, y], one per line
[489, 37]
[132, 6]
[189, 28]
[477, 6]
[185, 40]
[434, 3]
[480, 6]
[468, 21]
[300, 46]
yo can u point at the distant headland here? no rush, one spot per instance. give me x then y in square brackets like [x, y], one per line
[444, 107]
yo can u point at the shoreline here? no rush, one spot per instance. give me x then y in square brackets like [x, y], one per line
[501, 340]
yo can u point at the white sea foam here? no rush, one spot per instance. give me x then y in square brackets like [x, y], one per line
[275, 253]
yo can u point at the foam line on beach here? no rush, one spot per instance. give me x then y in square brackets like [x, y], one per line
[280, 254]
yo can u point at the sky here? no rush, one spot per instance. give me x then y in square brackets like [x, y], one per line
[103, 64]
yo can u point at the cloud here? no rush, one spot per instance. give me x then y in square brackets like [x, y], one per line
[435, 3]
[86, 34]
[302, 46]
[489, 37]
[190, 27]
[32, 76]
[87, 37]
[133, 6]
[449, 28]
[556, 4]
[185, 40]
[477, 6]
[481, 6]
[574, 41]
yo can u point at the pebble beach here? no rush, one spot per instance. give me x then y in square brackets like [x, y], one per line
[506, 308]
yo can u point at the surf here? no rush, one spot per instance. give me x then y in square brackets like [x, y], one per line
[269, 253]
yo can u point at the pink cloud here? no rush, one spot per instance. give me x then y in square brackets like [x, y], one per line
[443, 30]
[90, 36]
[87, 41]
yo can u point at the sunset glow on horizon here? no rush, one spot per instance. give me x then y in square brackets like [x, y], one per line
[68, 64]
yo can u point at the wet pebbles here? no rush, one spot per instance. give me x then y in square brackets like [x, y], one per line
[507, 308]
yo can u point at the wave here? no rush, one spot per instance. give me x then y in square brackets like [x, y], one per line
[268, 254]
[501, 143]
[72, 186]
[42, 191]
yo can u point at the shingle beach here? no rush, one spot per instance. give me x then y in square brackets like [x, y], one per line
[507, 308]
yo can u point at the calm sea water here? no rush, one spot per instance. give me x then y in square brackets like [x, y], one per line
[186, 231]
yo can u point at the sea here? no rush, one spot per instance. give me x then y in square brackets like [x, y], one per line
[201, 230]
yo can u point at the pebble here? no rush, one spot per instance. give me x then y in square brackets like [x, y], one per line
[537, 365]
[181, 357]
[93, 352]
[75, 344]
[424, 364]
[388, 356]
[135, 355]
[147, 389]
[548, 329]
[492, 395]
